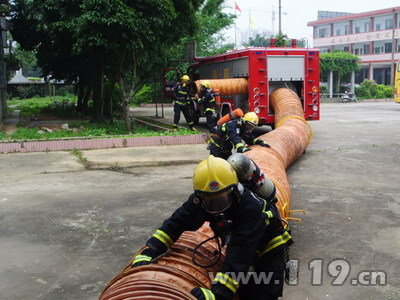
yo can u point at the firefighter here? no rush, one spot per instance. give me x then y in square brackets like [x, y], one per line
[251, 226]
[209, 105]
[183, 99]
[231, 134]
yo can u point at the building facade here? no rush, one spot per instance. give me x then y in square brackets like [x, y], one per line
[373, 36]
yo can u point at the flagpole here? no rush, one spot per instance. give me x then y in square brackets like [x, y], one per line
[235, 26]
[249, 25]
[236, 8]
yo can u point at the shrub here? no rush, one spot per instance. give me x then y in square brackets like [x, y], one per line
[369, 89]
[388, 91]
[64, 90]
[29, 107]
[145, 95]
[29, 91]
[323, 89]
[61, 108]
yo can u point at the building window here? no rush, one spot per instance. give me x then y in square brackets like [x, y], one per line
[382, 75]
[322, 32]
[388, 47]
[366, 49]
[337, 31]
[346, 48]
[366, 27]
[378, 27]
[361, 75]
[346, 29]
[389, 24]
[357, 29]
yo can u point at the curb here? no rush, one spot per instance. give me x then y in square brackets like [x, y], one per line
[338, 100]
[85, 144]
[93, 165]
[154, 105]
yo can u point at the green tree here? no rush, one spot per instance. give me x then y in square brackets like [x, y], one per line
[26, 58]
[281, 40]
[344, 63]
[211, 21]
[259, 40]
[122, 41]
[208, 37]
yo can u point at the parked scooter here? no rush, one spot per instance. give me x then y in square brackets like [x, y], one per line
[349, 97]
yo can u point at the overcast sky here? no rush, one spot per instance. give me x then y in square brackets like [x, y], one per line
[295, 14]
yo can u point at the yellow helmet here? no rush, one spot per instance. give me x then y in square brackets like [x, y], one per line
[251, 118]
[213, 181]
[214, 175]
[185, 78]
[206, 84]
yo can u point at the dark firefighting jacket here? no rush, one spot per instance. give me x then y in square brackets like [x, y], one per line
[255, 231]
[182, 95]
[232, 133]
[208, 101]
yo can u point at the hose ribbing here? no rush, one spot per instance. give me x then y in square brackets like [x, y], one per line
[174, 274]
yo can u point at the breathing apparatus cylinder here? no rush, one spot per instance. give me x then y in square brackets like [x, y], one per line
[237, 113]
[250, 175]
[217, 96]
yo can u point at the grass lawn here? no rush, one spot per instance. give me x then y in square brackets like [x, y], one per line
[39, 120]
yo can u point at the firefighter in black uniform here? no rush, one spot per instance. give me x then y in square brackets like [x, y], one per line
[255, 235]
[231, 134]
[183, 99]
[209, 105]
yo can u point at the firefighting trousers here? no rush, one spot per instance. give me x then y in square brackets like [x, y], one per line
[185, 109]
[266, 283]
[220, 147]
[212, 118]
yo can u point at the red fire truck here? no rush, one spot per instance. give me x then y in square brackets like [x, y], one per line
[254, 73]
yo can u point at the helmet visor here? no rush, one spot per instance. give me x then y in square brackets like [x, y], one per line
[248, 127]
[215, 203]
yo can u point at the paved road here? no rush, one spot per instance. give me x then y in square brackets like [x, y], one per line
[66, 229]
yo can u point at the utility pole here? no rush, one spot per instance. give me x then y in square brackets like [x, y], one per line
[392, 63]
[280, 17]
[3, 74]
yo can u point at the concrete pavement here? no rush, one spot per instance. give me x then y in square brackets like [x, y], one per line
[70, 221]
[146, 156]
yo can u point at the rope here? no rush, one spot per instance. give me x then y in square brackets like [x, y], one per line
[299, 118]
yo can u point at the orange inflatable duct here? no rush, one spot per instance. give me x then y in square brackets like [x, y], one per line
[173, 275]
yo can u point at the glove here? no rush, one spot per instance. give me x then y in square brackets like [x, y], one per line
[202, 293]
[262, 143]
[242, 149]
[144, 258]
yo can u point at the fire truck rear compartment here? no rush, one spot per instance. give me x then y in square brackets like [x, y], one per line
[245, 79]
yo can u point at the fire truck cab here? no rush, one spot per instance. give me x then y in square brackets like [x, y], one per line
[246, 77]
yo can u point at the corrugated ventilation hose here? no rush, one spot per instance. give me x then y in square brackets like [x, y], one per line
[173, 275]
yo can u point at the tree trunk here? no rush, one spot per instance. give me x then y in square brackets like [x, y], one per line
[98, 104]
[127, 87]
[81, 95]
[88, 93]
[108, 99]
[127, 119]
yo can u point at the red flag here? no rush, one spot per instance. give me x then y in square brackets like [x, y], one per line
[237, 7]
